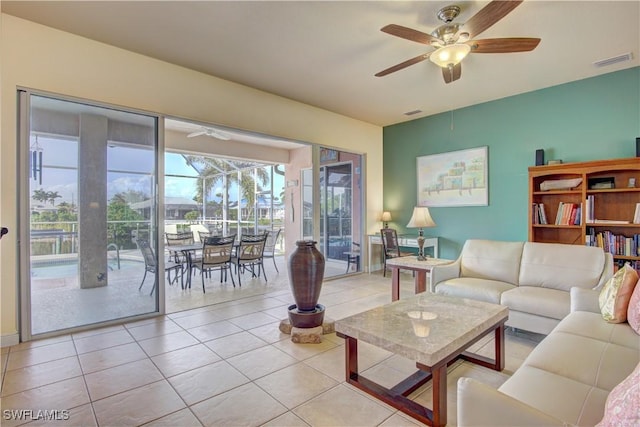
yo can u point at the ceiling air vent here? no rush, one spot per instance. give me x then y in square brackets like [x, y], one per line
[411, 113]
[613, 60]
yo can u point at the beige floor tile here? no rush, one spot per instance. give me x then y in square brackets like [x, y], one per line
[197, 319]
[347, 408]
[138, 406]
[330, 363]
[110, 357]
[39, 375]
[232, 345]
[269, 333]
[295, 384]
[288, 419]
[202, 383]
[98, 331]
[182, 360]
[96, 342]
[35, 355]
[121, 378]
[155, 329]
[215, 330]
[166, 343]
[81, 416]
[182, 418]
[253, 320]
[62, 395]
[246, 405]
[304, 351]
[260, 362]
[37, 343]
[401, 420]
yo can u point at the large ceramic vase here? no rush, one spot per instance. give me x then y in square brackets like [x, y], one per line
[306, 272]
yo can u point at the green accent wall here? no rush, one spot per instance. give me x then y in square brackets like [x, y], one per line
[590, 119]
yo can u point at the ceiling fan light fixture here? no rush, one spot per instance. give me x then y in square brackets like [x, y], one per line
[450, 55]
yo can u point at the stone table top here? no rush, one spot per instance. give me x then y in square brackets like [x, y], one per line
[426, 328]
[411, 262]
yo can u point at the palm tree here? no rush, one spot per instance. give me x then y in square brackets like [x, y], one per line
[52, 196]
[212, 171]
[40, 195]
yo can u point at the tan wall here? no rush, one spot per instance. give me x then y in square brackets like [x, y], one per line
[42, 58]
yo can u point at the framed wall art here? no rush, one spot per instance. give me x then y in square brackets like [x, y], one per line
[456, 178]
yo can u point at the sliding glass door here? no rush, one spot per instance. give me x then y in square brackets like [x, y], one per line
[85, 169]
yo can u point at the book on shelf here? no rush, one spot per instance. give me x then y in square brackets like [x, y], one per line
[568, 214]
[538, 214]
[615, 244]
[610, 221]
[589, 216]
[636, 216]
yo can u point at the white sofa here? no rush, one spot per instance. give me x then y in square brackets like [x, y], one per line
[565, 380]
[532, 279]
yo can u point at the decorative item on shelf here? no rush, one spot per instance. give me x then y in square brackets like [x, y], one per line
[386, 217]
[420, 219]
[554, 162]
[602, 183]
[560, 184]
[632, 183]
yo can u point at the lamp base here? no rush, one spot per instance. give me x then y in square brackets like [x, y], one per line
[420, 256]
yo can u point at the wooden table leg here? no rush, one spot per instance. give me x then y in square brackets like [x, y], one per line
[351, 359]
[499, 347]
[421, 281]
[439, 378]
[395, 284]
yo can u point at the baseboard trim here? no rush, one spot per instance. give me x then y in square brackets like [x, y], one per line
[9, 340]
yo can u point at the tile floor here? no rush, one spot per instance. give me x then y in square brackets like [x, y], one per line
[225, 364]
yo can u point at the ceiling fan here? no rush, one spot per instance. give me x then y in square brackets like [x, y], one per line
[210, 132]
[454, 41]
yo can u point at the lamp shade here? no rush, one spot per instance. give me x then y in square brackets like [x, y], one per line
[421, 218]
[386, 216]
[450, 54]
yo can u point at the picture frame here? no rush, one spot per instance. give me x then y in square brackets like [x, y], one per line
[454, 178]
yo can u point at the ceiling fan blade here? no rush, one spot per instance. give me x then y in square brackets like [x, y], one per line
[488, 15]
[191, 135]
[503, 45]
[452, 73]
[404, 64]
[409, 34]
[219, 135]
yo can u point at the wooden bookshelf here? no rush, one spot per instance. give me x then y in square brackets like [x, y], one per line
[613, 204]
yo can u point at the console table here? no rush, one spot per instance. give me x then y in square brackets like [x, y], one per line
[421, 268]
[403, 241]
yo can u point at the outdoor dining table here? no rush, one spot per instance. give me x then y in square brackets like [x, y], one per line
[187, 251]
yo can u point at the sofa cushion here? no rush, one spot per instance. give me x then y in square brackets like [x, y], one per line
[540, 301]
[616, 293]
[489, 259]
[478, 289]
[574, 402]
[558, 266]
[633, 312]
[592, 362]
[623, 403]
[591, 325]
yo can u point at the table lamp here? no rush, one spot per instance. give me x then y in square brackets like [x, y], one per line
[386, 217]
[420, 219]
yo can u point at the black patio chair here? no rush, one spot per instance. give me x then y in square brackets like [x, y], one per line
[151, 266]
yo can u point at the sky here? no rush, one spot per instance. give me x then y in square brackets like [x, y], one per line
[130, 169]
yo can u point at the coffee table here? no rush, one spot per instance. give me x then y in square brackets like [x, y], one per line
[434, 331]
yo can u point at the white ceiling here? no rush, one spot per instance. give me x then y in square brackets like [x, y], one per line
[325, 53]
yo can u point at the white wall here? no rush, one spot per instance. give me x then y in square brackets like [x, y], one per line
[42, 58]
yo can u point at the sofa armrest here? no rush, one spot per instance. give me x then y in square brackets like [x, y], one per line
[482, 405]
[440, 273]
[584, 300]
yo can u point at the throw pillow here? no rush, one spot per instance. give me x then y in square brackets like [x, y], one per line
[616, 293]
[633, 312]
[622, 408]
